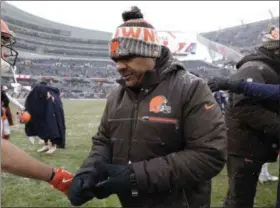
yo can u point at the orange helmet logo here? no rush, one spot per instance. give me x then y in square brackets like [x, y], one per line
[24, 117]
[114, 48]
[158, 104]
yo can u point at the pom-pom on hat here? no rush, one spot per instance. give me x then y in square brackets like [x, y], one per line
[135, 37]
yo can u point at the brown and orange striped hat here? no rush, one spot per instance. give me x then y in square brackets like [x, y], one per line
[134, 38]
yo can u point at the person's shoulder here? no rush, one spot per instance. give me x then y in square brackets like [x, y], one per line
[187, 79]
[114, 93]
[255, 65]
[256, 70]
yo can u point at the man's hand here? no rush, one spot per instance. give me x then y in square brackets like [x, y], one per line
[61, 180]
[119, 180]
[218, 83]
[81, 189]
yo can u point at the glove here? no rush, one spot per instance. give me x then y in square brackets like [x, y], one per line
[61, 180]
[218, 83]
[119, 180]
[81, 189]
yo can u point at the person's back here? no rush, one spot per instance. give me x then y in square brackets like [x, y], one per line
[252, 128]
[245, 116]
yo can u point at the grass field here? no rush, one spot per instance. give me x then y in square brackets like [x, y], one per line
[82, 119]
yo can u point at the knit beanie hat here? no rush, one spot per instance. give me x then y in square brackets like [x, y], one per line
[271, 38]
[134, 38]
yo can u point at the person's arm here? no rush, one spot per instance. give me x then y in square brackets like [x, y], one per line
[17, 162]
[205, 147]
[260, 90]
[253, 89]
[15, 102]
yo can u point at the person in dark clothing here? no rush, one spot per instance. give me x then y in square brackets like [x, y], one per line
[253, 89]
[47, 117]
[253, 123]
[260, 91]
[162, 136]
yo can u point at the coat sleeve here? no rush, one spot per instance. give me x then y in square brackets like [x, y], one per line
[260, 90]
[101, 146]
[250, 110]
[204, 154]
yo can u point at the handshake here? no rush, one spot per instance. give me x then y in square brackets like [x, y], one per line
[100, 182]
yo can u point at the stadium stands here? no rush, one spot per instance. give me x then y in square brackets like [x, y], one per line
[244, 37]
[206, 70]
[48, 48]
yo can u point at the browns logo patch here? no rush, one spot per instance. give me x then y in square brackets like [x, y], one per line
[114, 47]
[159, 104]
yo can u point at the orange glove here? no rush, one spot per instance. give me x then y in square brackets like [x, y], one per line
[61, 180]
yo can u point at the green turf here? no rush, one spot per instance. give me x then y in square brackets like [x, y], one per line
[82, 119]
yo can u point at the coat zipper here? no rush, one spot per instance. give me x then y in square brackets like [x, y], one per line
[133, 126]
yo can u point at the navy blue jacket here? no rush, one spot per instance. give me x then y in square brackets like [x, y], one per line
[47, 116]
[260, 90]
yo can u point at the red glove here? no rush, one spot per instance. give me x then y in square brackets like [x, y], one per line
[61, 180]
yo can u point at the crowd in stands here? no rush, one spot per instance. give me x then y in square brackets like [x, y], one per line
[75, 78]
[78, 79]
[69, 68]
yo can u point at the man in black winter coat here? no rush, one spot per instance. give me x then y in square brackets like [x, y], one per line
[253, 124]
[47, 117]
[162, 136]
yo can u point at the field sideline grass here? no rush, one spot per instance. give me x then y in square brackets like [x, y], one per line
[82, 119]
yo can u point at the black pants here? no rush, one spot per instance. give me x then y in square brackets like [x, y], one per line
[243, 178]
